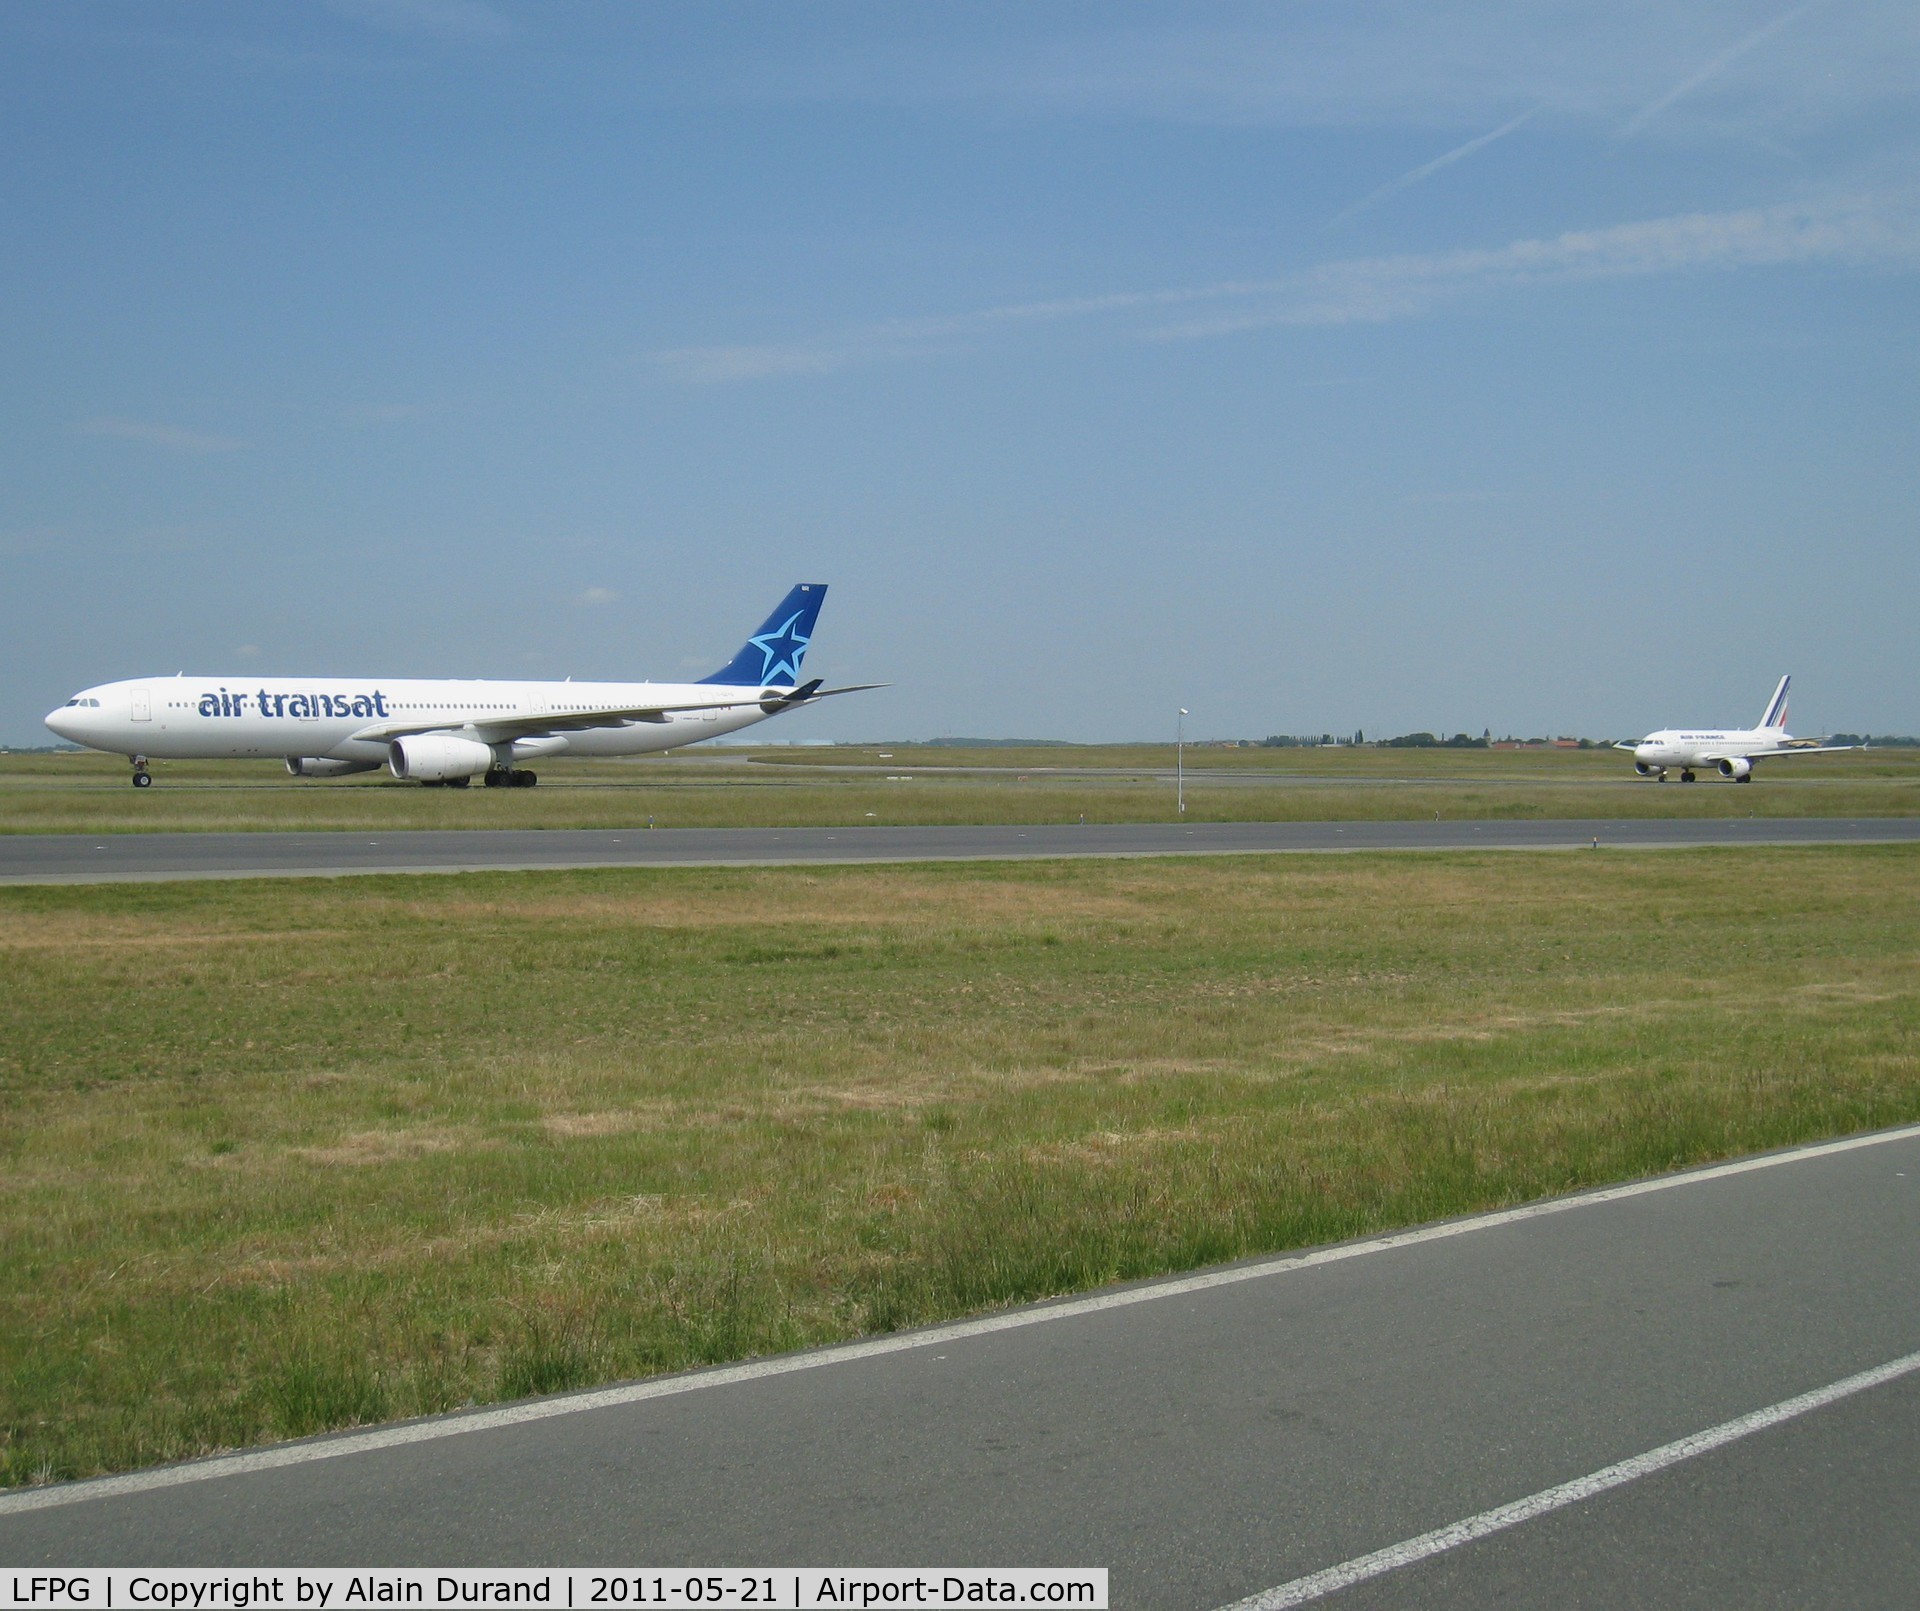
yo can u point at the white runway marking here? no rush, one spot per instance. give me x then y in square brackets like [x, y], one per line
[388, 1437]
[1302, 1590]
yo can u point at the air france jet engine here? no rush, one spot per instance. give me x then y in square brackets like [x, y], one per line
[437, 758]
[1737, 767]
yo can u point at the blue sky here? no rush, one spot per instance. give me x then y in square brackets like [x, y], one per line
[1552, 368]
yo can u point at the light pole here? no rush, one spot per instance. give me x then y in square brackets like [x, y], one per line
[1180, 759]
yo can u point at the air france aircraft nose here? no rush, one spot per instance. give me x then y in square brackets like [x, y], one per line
[69, 721]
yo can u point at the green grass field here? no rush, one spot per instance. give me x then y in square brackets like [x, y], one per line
[280, 1156]
[923, 784]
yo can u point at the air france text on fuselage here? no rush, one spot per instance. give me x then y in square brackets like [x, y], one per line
[307, 706]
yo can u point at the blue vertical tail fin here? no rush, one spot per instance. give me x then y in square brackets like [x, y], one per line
[771, 657]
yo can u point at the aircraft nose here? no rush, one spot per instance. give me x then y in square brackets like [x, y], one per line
[63, 722]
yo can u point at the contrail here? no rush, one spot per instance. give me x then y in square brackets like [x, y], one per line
[1413, 176]
[1713, 69]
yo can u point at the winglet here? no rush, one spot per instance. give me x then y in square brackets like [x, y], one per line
[771, 657]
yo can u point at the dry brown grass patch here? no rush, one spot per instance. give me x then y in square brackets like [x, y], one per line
[573, 1126]
[878, 900]
[69, 931]
[367, 1147]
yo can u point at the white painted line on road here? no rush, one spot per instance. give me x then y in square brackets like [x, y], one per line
[1303, 1590]
[388, 1437]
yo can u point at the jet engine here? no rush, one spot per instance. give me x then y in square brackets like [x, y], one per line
[1737, 767]
[318, 766]
[1644, 769]
[437, 758]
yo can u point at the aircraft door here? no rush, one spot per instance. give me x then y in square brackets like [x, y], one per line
[142, 706]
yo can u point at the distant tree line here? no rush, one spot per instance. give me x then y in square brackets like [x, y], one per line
[1427, 741]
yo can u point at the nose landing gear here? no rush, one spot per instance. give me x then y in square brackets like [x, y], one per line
[142, 778]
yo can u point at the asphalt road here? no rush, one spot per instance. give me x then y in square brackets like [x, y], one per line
[1213, 1438]
[76, 858]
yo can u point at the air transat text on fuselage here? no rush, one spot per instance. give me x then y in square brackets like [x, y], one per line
[298, 706]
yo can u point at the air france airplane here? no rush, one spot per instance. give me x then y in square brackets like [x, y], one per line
[1732, 753]
[445, 732]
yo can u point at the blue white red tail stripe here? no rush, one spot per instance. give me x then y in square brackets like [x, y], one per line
[1776, 715]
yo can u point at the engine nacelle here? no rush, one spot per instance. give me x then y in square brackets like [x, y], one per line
[1644, 768]
[319, 766]
[438, 758]
[1737, 767]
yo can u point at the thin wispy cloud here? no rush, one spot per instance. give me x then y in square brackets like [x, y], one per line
[30, 540]
[889, 339]
[367, 416]
[171, 437]
[1445, 500]
[1857, 231]
[1711, 70]
[1427, 170]
[1365, 63]
[713, 366]
[453, 20]
[1865, 230]
[595, 596]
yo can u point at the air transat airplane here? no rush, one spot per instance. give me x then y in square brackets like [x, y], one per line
[445, 732]
[1732, 752]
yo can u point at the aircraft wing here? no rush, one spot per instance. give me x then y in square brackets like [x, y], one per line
[1715, 757]
[500, 730]
[504, 730]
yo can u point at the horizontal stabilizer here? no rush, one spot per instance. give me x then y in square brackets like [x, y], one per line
[806, 695]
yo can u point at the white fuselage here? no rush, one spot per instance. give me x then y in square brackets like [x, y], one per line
[1730, 751]
[1696, 747]
[227, 718]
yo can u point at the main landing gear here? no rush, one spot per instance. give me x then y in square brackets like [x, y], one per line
[142, 778]
[514, 779]
[1686, 775]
